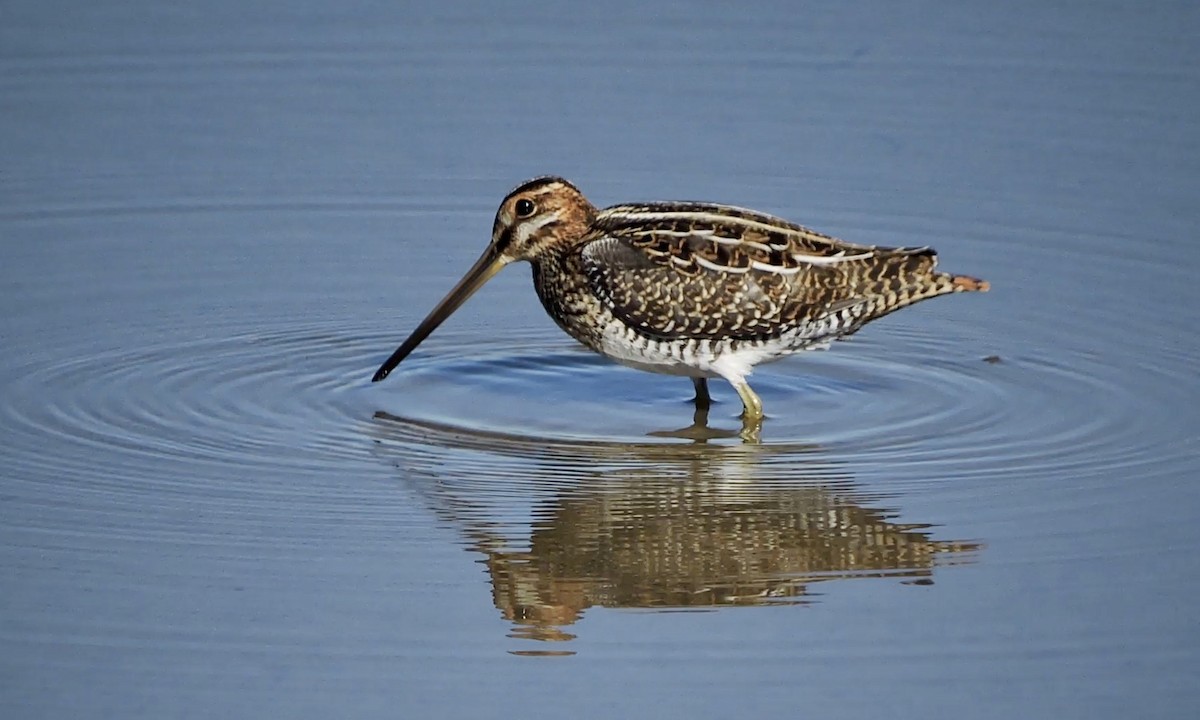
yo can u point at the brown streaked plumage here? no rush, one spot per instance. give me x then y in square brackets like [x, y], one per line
[693, 289]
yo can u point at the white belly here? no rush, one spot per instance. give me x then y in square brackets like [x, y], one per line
[691, 358]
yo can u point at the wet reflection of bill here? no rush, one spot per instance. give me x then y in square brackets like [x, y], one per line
[565, 526]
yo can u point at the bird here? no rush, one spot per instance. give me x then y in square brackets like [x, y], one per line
[693, 289]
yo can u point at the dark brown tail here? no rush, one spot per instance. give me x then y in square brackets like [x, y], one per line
[917, 267]
[921, 288]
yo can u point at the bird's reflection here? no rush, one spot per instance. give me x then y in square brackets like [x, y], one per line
[652, 525]
[701, 432]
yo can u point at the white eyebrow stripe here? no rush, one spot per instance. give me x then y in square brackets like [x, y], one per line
[527, 229]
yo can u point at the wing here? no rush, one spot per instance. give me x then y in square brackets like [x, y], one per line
[692, 270]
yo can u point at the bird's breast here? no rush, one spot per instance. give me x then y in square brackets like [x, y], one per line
[573, 304]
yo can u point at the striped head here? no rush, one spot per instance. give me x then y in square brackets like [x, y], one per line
[541, 214]
[537, 215]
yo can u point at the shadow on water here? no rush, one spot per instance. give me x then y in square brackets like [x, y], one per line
[652, 525]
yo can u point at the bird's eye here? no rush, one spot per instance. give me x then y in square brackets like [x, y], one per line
[525, 207]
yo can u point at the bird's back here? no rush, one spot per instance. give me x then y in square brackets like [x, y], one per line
[703, 271]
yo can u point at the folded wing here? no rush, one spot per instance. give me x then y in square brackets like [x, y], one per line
[692, 270]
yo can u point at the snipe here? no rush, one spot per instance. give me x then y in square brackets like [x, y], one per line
[692, 289]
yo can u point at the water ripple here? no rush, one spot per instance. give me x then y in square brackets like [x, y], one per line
[893, 395]
[578, 482]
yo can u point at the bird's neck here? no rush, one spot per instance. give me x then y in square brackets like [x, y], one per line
[562, 286]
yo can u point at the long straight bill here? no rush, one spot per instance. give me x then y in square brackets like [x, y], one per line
[484, 268]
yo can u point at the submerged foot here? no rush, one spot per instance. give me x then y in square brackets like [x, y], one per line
[751, 429]
[699, 431]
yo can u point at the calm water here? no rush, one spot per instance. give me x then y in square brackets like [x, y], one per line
[217, 220]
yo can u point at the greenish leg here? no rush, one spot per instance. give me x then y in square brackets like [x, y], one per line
[752, 413]
[703, 399]
[751, 406]
[751, 433]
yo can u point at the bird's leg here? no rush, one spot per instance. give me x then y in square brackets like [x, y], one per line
[703, 400]
[752, 413]
[751, 433]
[751, 406]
